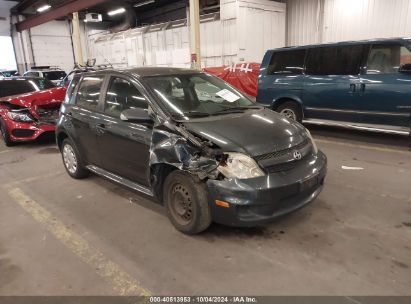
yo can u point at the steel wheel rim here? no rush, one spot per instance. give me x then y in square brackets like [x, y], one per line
[289, 114]
[70, 160]
[181, 204]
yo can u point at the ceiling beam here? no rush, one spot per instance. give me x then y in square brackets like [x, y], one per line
[68, 8]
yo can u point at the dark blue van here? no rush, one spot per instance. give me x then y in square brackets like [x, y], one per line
[363, 85]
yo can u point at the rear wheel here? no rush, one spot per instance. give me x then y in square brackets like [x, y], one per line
[5, 134]
[186, 202]
[291, 110]
[72, 160]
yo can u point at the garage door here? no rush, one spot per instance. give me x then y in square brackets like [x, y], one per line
[52, 45]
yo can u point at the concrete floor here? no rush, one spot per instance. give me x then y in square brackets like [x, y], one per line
[60, 236]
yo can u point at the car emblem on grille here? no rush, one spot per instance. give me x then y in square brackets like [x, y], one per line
[297, 155]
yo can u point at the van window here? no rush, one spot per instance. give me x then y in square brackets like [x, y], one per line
[386, 59]
[341, 60]
[123, 95]
[287, 62]
[89, 92]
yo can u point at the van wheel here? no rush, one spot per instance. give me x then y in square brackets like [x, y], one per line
[72, 160]
[290, 110]
[186, 203]
[5, 134]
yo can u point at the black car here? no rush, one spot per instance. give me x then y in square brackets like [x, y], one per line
[21, 85]
[192, 141]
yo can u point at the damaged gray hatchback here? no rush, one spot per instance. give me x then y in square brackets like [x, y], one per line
[198, 145]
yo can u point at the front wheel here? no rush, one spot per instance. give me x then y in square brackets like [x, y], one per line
[290, 110]
[5, 134]
[186, 203]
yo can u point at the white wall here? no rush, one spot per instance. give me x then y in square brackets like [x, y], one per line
[244, 30]
[5, 13]
[316, 21]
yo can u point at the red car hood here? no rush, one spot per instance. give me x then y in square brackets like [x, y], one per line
[40, 98]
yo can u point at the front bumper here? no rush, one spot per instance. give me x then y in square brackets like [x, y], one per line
[22, 132]
[261, 200]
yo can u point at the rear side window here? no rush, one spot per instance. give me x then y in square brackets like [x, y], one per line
[54, 75]
[32, 74]
[70, 90]
[287, 62]
[386, 59]
[89, 92]
[341, 60]
[123, 95]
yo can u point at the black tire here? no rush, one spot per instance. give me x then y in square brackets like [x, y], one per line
[5, 134]
[72, 160]
[291, 109]
[185, 199]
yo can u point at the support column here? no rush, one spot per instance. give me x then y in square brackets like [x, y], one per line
[195, 34]
[78, 50]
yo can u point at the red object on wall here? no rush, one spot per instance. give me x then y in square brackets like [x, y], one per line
[243, 76]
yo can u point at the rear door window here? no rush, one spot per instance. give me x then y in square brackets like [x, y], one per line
[89, 92]
[287, 62]
[340, 60]
[123, 95]
[387, 58]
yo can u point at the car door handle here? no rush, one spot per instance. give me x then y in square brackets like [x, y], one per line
[100, 128]
[353, 87]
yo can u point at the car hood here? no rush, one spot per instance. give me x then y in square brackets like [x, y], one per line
[254, 132]
[39, 98]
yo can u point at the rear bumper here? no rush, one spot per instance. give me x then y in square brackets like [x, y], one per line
[261, 200]
[22, 132]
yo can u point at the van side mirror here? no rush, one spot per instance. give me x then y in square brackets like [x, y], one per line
[405, 68]
[137, 115]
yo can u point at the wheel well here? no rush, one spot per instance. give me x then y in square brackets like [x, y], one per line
[281, 101]
[62, 136]
[158, 175]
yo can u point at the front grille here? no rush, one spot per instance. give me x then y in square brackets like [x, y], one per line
[278, 154]
[48, 115]
[282, 167]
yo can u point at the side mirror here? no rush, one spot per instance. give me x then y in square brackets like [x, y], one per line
[137, 115]
[405, 68]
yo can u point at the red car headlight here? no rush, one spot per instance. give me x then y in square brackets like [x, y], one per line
[20, 116]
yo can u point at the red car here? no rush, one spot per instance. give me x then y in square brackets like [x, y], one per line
[31, 113]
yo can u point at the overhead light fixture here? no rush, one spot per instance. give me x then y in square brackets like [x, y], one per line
[116, 11]
[144, 3]
[43, 8]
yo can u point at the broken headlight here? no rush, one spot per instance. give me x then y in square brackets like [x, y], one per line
[20, 116]
[315, 148]
[240, 166]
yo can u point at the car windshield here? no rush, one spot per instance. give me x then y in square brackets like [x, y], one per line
[197, 95]
[54, 75]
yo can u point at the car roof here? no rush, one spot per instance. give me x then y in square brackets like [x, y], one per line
[369, 41]
[149, 71]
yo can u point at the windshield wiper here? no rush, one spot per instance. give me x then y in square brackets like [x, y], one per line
[192, 114]
[237, 109]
